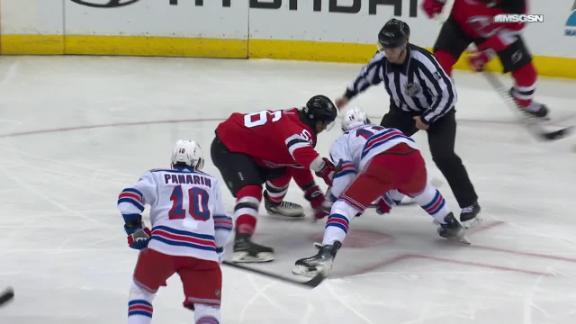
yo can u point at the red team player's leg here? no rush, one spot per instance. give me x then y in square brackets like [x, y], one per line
[201, 279]
[525, 78]
[246, 209]
[246, 212]
[277, 188]
[274, 202]
[446, 60]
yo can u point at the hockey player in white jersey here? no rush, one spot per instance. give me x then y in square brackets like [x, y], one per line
[374, 161]
[189, 229]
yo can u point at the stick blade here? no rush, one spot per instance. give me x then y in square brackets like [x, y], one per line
[316, 280]
[558, 134]
[6, 296]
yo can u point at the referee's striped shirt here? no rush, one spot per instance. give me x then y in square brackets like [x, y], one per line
[419, 86]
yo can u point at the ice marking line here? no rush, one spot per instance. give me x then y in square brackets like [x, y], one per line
[484, 227]
[530, 254]
[198, 120]
[407, 256]
[67, 164]
[59, 205]
[258, 291]
[528, 302]
[515, 252]
[347, 305]
[9, 74]
[126, 124]
[482, 265]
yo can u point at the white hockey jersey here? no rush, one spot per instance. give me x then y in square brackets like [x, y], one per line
[186, 212]
[352, 151]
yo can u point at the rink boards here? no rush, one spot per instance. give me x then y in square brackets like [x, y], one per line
[317, 30]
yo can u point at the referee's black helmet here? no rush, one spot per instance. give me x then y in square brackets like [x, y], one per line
[395, 33]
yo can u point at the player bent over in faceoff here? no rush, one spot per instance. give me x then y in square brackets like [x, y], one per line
[374, 160]
[270, 147]
[189, 231]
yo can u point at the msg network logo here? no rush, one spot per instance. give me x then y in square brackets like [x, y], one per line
[516, 18]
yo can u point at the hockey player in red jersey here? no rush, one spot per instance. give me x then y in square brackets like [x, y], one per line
[271, 147]
[472, 21]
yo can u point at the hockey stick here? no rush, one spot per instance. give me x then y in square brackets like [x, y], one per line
[6, 296]
[530, 123]
[312, 283]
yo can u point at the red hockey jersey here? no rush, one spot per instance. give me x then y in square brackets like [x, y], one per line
[274, 138]
[476, 17]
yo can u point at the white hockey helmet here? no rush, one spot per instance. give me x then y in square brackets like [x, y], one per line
[354, 117]
[187, 152]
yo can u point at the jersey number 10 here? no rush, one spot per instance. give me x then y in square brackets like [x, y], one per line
[197, 204]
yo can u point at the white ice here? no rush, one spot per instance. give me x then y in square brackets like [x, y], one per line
[75, 130]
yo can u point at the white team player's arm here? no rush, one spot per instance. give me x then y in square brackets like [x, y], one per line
[222, 222]
[346, 170]
[131, 202]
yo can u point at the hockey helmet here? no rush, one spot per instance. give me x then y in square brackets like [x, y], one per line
[187, 152]
[320, 108]
[354, 117]
[395, 33]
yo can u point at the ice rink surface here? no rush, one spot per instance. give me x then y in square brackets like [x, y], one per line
[75, 130]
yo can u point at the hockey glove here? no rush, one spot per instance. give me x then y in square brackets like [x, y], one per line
[318, 202]
[382, 206]
[327, 171]
[478, 59]
[433, 7]
[138, 235]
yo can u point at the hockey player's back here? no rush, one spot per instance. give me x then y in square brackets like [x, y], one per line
[182, 201]
[273, 130]
[189, 232]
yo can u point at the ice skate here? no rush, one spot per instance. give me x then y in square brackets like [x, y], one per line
[452, 230]
[469, 215]
[321, 262]
[246, 251]
[284, 208]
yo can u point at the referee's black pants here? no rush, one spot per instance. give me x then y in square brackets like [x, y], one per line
[441, 138]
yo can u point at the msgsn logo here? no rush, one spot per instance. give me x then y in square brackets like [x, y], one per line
[515, 18]
[571, 22]
[105, 3]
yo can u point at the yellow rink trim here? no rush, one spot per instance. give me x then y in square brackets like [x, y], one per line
[123, 45]
[361, 53]
[229, 48]
[32, 44]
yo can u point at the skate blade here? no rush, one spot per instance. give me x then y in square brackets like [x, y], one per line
[459, 240]
[287, 216]
[245, 257]
[471, 223]
[304, 271]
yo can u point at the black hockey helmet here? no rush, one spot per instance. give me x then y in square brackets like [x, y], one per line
[320, 108]
[394, 34]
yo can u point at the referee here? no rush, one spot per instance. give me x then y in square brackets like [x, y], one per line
[422, 97]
